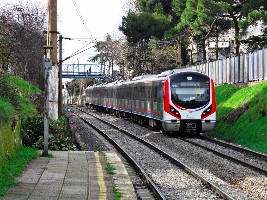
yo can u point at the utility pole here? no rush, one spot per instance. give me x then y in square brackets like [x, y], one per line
[60, 78]
[51, 75]
[52, 41]
[47, 65]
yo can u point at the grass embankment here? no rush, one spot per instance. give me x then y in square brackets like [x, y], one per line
[25, 90]
[14, 104]
[14, 97]
[7, 111]
[241, 116]
[15, 167]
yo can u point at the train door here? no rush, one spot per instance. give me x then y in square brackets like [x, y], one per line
[149, 101]
[131, 100]
[127, 98]
[143, 95]
[162, 98]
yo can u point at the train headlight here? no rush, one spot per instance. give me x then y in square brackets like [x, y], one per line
[206, 112]
[174, 111]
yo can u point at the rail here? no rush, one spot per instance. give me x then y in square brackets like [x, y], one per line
[169, 157]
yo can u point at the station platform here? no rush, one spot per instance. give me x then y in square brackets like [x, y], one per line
[73, 175]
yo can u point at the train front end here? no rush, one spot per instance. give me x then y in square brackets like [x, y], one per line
[189, 104]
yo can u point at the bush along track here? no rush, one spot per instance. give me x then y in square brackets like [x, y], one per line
[33, 132]
[241, 116]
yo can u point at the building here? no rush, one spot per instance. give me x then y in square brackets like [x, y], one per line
[225, 45]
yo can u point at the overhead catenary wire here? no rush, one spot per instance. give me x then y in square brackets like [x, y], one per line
[78, 52]
[94, 40]
[83, 22]
[82, 48]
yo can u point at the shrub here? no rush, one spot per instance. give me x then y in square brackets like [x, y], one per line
[33, 132]
[32, 128]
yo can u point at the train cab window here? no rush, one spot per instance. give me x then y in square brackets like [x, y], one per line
[190, 90]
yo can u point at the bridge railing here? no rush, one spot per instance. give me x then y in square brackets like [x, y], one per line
[81, 73]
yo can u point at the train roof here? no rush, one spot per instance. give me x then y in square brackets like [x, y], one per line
[147, 77]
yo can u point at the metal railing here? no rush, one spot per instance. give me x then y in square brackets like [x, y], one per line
[237, 69]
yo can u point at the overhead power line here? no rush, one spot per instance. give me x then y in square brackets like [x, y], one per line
[94, 40]
[81, 17]
[81, 50]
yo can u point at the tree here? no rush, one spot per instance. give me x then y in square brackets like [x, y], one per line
[142, 27]
[6, 45]
[255, 18]
[163, 55]
[244, 13]
[22, 32]
[132, 5]
[73, 88]
[109, 52]
[150, 5]
[139, 29]
[201, 17]
[221, 26]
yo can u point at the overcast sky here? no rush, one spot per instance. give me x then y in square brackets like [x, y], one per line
[100, 16]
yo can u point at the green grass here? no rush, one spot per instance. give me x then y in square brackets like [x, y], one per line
[50, 155]
[7, 111]
[117, 194]
[250, 129]
[25, 90]
[110, 169]
[15, 167]
[27, 107]
[24, 86]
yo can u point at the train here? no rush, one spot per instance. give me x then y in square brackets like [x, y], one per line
[175, 101]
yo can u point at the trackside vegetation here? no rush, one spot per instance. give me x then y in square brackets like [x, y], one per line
[15, 167]
[14, 104]
[21, 129]
[241, 115]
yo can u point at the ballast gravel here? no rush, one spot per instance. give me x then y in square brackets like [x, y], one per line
[240, 182]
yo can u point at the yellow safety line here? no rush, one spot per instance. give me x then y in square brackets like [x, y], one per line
[100, 178]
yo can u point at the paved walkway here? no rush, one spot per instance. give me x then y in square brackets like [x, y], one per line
[73, 175]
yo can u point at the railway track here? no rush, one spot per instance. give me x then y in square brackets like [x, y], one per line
[236, 147]
[257, 158]
[160, 152]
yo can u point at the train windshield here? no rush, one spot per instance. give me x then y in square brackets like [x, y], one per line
[190, 90]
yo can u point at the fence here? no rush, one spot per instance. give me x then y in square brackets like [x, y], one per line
[237, 69]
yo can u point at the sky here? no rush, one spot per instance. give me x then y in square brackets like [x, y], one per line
[100, 16]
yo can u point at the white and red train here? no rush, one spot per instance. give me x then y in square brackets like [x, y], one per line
[175, 101]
